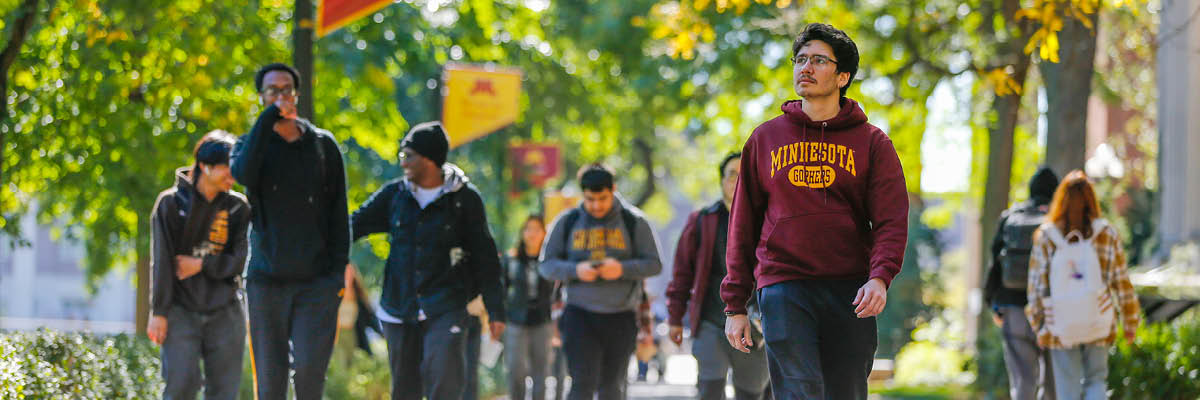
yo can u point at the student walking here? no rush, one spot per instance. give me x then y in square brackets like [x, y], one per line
[1076, 271]
[695, 290]
[529, 297]
[818, 225]
[300, 241]
[197, 255]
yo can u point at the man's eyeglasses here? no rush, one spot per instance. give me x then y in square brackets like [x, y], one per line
[278, 91]
[402, 156]
[818, 61]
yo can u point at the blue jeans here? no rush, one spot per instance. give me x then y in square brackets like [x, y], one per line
[1080, 372]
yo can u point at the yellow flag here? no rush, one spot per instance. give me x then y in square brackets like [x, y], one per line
[555, 203]
[479, 101]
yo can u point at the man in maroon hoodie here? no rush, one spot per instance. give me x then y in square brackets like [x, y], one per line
[821, 208]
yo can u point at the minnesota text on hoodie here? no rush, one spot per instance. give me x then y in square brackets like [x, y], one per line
[816, 200]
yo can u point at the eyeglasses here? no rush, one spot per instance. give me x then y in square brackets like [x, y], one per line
[818, 61]
[279, 91]
[404, 157]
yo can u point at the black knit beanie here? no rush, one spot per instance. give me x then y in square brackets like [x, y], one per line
[429, 140]
[1043, 184]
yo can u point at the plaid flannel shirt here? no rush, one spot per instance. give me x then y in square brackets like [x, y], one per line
[1112, 268]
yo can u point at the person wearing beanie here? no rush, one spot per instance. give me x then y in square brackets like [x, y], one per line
[442, 256]
[602, 251]
[300, 244]
[1005, 290]
[197, 253]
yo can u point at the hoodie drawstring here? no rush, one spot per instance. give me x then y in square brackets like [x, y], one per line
[824, 188]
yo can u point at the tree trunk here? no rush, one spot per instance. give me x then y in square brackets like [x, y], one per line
[1068, 86]
[302, 55]
[142, 308]
[27, 13]
[997, 184]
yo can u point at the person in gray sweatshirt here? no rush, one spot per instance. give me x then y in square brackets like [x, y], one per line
[601, 250]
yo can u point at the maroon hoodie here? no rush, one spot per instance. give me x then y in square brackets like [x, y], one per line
[815, 200]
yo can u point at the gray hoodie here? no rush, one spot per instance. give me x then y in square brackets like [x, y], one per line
[596, 239]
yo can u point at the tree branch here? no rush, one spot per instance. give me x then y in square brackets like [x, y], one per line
[646, 154]
[21, 27]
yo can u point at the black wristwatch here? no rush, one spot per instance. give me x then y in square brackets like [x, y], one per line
[731, 313]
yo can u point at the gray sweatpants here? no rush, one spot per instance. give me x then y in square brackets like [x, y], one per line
[1026, 363]
[716, 357]
[429, 357]
[527, 351]
[217, 338]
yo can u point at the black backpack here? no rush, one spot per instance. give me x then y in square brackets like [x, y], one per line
[1017, 234]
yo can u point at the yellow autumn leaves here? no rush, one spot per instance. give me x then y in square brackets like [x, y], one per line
[682, 27]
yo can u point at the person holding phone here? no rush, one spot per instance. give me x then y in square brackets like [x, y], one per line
[602, 250]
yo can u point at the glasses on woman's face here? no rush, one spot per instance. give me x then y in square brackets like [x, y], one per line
[272, 91]
[818, 61]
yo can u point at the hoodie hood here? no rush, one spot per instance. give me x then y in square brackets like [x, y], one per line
[454, 179]
[183, 180]
[1043, 184]
[849, 116]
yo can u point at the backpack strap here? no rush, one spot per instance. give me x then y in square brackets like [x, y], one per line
[568, 221]
[1051, 231]
[631, 224]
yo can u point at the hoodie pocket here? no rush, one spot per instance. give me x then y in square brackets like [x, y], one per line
[814, 241]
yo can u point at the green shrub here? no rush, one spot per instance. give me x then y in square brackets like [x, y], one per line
[1163, 363]
[46, 364]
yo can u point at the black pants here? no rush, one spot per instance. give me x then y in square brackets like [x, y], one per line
[297, 320]
[817, 348]
[218, 338]
[598, 347]
[429, 357]
[474, 342]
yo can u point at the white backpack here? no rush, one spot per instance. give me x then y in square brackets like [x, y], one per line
[1076, 287]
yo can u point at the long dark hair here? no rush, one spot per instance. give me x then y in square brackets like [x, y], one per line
[520, 250]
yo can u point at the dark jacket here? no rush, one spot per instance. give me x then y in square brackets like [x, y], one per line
[1041, 191]
[441, 256]
[184, 223]
[693, 265]
[528, 305]
[298, 193]
[816, 200]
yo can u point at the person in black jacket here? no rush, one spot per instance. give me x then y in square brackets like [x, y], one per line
[527, 340]
[1028, 366]
[198, 251]
[300, 243]
[441, 256]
